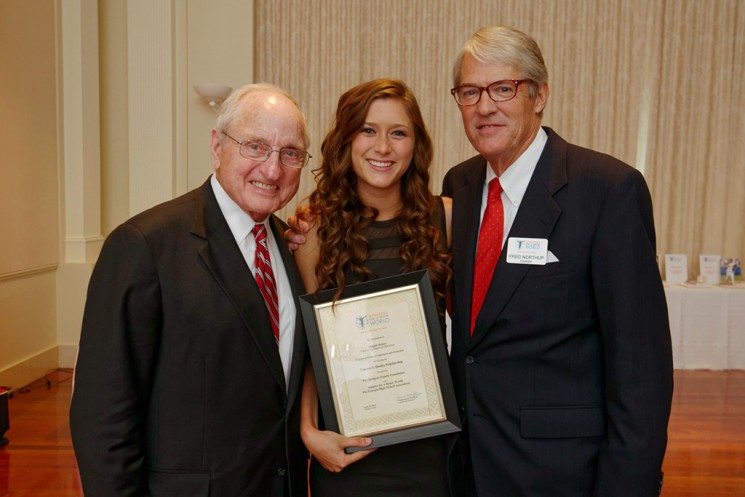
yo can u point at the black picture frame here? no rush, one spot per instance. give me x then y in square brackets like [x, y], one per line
[415, 290]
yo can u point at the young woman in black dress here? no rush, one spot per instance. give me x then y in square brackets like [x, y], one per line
[372, 216]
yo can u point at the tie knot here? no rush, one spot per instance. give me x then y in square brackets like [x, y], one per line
[259, 232]
[495, 188]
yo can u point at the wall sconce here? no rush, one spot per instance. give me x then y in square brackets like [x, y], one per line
[213, 94]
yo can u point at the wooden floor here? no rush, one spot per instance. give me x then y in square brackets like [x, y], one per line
[705, 456]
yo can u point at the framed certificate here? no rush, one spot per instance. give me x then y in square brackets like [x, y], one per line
[380, 361]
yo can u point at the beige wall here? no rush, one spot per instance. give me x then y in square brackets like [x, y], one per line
[112, 15]
[28, 181]
[28, 135]
[96, 104]
[219, 37]
[154, 128]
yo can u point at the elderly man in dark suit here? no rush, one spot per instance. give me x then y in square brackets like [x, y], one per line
[561, 353]
[192, 350]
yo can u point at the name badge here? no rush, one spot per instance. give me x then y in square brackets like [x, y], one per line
[527, 251]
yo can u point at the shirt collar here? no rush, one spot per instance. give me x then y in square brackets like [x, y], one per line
[239, 222]
[515, 179]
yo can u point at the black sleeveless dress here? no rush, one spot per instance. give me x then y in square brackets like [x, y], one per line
[409, 469]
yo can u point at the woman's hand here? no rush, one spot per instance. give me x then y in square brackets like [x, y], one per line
[300, 224]
[328, 447]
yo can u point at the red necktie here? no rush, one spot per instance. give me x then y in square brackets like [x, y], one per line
[488, 249]
[265, 277]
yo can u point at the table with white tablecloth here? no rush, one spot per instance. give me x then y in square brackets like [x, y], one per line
[707, 325]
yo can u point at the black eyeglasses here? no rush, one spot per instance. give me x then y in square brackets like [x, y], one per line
[260, 152]
[499, 91]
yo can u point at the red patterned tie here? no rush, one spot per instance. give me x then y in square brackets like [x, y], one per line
[265, 277]
[489, 247]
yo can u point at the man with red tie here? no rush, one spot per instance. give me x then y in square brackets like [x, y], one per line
[192, 349]
[561, 354]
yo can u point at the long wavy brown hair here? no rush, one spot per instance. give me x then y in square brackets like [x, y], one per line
[341, 216]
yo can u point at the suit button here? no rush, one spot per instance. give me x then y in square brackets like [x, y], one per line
[281, 471]
[470, 359]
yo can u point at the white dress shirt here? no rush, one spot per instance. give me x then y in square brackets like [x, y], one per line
[515, 181]
[241, 225]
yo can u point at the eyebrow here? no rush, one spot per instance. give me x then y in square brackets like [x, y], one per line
[254, 138]
[396, 125]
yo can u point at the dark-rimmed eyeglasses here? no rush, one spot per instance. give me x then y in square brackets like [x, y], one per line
[260, 152]
[499, 91]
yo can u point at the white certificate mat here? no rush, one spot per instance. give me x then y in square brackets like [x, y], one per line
[379, 357]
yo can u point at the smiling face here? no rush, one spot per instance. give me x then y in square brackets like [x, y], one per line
[500, 131]
[382, 150]
[259, 188]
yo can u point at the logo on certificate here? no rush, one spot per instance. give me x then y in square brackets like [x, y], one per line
[372, 319]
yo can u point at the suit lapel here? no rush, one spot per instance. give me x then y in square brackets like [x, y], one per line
[223, 258]
[465, 225]
[536, 218]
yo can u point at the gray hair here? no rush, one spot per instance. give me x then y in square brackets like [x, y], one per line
[504, 45]
[230, 110]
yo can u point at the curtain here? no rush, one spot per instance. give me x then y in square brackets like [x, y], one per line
[657, 84]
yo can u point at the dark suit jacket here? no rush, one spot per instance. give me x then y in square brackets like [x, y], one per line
[565, 386]
[179, 388]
